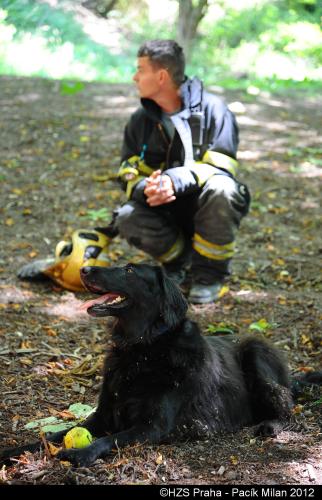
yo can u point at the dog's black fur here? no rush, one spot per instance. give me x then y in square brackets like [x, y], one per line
[163, 380]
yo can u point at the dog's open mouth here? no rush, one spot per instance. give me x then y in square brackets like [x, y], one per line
[101, 306]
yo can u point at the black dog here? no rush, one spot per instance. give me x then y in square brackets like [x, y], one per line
[162, 379]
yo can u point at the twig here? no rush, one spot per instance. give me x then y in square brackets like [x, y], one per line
[39, 474]
[55, 352]
[44, 440]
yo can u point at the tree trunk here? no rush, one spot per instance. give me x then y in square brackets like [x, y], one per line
[189, 16]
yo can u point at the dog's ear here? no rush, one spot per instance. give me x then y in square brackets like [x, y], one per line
[173, 305]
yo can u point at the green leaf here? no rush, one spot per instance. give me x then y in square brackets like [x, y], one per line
[80, 410]
[260, 326]
[259, 206]
[316, 161]
[220, 328]
[295, 152]
[57, 427]
[55, 424]
[101, 214]
[41, 422]
[71, 88]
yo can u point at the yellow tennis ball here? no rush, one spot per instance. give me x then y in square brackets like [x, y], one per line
[78, 437]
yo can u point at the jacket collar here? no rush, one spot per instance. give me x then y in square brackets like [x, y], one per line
[191, 94]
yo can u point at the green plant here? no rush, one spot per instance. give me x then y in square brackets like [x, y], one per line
[100, 214]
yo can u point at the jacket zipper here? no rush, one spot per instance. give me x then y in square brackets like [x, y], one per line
[167, 142]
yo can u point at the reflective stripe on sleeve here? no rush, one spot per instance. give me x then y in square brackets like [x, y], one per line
[203, 172]
[221, 161]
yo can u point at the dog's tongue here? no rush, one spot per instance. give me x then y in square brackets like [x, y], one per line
[107, 297]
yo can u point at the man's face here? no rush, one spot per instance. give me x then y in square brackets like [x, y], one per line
[147, 78]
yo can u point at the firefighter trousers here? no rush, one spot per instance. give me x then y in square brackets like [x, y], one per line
[198, 228]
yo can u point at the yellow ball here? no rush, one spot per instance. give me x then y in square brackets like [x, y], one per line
[78, 437]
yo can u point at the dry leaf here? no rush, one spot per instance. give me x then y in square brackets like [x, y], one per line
[224, 290]
[297, 409]
[25, 361]
[64, 463]
[54, 450]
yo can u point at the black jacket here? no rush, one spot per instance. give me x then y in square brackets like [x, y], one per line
[220, 135]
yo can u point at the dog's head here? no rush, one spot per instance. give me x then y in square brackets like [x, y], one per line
[141, 296]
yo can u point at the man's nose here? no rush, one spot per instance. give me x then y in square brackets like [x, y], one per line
[135, 77]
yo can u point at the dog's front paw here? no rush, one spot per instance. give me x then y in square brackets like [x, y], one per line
[79, 457]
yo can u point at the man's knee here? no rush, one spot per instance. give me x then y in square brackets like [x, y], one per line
[225, 191]
[126, 218]
[221, 185]
[146, 228]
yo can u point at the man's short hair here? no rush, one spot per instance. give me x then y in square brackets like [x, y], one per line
[165, 54]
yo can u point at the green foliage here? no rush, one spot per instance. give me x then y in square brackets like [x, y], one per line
[55, 24]
[60, 46]
[261, 326]
[55, 424]
[275, 43]
[219, 329]
[71, 88]
[270, 45]
[101, 214]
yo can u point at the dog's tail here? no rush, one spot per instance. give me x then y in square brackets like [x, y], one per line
[8, 453]
[305, 380]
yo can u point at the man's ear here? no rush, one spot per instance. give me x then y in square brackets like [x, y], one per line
[163, 76]
[173, 305]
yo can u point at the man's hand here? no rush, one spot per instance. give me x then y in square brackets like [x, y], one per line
[159, 189]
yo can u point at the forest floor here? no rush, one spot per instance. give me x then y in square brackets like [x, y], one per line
[56, 150]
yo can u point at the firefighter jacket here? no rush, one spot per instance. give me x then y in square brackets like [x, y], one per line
[147, 145]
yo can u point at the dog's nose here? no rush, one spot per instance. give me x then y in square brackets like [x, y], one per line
[85, 270]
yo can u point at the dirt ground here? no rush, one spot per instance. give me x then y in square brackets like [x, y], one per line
[55, 153]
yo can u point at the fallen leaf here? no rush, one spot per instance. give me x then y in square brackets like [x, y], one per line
[25, 361]
[17, 191]
[297, 409]
[66, 415]
[305, 339]
[279, 262]
[261, 326]
[224, 290]
[282, 300]
[64, 463]
[54, 450]
[305, 369]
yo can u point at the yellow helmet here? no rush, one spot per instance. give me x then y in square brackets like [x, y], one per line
[87, 248]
